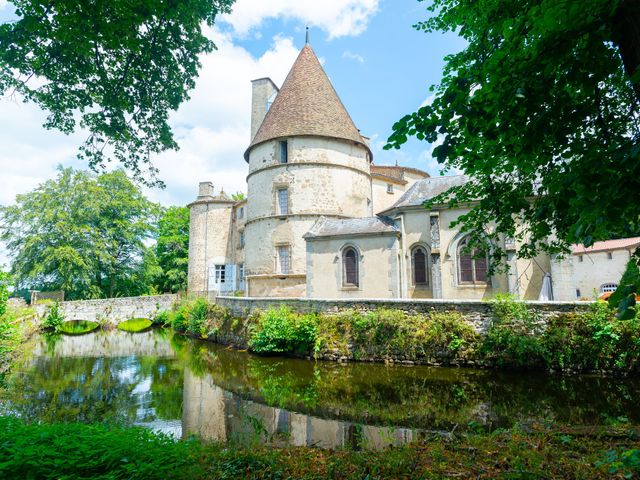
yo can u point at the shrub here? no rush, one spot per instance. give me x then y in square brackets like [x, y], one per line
[5, 283]
[513, 338]
[196, 317]
[162, 318]
[283, 331]
[53, 320]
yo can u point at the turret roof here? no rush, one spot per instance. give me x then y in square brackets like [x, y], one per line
[307, 104]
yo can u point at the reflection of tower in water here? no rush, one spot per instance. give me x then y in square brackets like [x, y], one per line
[216, 414]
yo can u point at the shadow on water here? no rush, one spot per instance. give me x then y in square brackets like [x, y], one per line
[184, 386]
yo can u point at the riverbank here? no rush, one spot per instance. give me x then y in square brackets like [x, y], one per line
[16, 327]
[592, 340]
[74, 451]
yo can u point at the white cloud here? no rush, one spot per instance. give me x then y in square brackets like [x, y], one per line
[337, 17]
[353, 56]
[212, 129]
[3, 3]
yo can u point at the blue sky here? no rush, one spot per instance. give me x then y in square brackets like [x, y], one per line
[380, 66]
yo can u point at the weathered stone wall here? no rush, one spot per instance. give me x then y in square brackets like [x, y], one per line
[112, 310]
[478, 313]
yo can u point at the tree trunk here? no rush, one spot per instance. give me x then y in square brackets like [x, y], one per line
[626, 29]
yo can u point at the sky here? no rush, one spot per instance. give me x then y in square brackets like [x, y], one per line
[380, 66]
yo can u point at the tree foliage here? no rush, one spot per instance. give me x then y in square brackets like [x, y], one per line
[541, 111]
[114, 67]
[81, 233]
[172, 249]
[5, 283]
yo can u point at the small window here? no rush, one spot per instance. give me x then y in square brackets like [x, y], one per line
[609, 255]
[241, 239]
[284, 152]
[241, 276]
[608, 287]
[389, 187]
[419, 266]
[283, 201]
[283, 254]
[221, 273]
[580, 258]
[472, 266]
[241, 212]
[578, 293]
[350, 268]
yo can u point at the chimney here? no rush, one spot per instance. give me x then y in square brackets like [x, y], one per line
[263, 93]
[205, 189]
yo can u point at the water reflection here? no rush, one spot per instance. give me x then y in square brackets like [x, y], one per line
[183, 386]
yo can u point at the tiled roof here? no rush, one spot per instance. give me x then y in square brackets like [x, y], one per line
[329, 227]
[395, 171]
[428, 188]
[619, 244]
[307, 104]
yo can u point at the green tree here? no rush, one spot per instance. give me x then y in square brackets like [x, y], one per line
[80, 233]
[114, 67]
[238, 196]
[172, 249]
[541, 111]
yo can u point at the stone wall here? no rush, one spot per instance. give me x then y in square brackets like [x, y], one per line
[112, 310]
[478, 313]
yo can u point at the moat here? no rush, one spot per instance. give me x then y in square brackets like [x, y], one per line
[183, 386]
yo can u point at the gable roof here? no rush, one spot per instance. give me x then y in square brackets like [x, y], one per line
[396, 172]
[426, 189]
[619, 244]
[330, 227]
[307, 104]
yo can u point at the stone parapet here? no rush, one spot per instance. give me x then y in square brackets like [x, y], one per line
[112, 310]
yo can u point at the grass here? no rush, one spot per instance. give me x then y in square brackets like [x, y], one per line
[77, 451]
[77, 327]
[135, 325]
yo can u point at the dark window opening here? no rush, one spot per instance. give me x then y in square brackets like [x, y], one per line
[350, 267]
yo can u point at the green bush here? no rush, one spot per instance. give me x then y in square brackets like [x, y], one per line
[5, 283]
[197, 317]
[513, 338]
[54, 319]
[162, 318]
[283, 331]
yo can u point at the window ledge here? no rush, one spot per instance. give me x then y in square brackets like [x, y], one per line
[349, 288]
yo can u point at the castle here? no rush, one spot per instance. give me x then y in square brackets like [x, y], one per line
[321, 220]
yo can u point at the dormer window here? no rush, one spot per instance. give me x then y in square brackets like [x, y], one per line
[283, 151]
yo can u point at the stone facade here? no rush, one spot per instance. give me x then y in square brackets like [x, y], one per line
[309, 165]
[112, 310]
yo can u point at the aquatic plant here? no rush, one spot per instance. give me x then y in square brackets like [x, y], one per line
[135, 325]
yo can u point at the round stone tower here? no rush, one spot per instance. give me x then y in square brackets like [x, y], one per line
[307, 160]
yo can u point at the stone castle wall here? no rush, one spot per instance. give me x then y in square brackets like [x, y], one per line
[112, 310]
[478, 313]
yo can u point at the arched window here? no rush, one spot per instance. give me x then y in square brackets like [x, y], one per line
[419, 266]
[472, 268]
[608, 287]
[350, 276]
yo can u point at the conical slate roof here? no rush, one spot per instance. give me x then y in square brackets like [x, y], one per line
[307, 104]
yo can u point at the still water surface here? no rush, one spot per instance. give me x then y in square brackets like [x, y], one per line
[183, 386]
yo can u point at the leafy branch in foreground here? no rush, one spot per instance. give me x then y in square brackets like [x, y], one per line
[116, 68]
[540, 110]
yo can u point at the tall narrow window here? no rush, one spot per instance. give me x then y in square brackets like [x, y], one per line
[419, 263]
[283, 201]
[241, 239]
[350, 268]
[472, 265]
[284, 151]
[284, 259]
